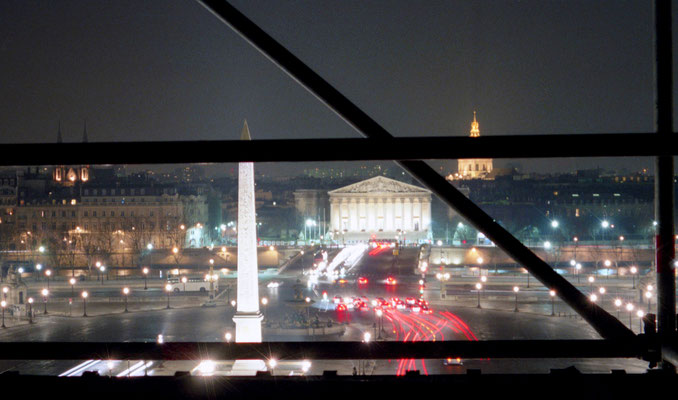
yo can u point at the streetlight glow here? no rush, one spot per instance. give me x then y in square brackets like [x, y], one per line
[554, 224]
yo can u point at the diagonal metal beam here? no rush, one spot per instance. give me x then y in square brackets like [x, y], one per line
[606, 325]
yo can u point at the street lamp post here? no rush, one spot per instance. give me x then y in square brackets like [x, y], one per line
[30, 310]
[145, 271]
[183, 281]
[264, 302]
[3, 304]
[72, 282]
[168, 289]
[515, 290]
[591, 280]
[211, 279]
[648, 294]
[48, 273]
[629, 308]
[617, 304]
[640, 315]
[478, 287]
[102, 269]
[84, 303]
[578, 268]
[552, 293]
[308, 310]
[45, 293]
[125, 291]
[380, 314]
[150, 256]
[633, 275]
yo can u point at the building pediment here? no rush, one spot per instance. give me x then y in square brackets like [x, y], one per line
[379, 184]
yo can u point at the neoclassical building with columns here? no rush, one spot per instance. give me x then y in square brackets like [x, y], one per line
[382, 208]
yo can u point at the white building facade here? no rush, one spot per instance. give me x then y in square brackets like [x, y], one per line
[380, 208]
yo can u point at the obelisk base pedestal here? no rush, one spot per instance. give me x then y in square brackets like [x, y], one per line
[248, 330]
[248, 327]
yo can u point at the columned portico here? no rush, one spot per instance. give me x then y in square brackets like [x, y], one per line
[382, 208]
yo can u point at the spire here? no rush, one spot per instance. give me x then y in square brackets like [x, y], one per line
[84, 133]
[59, 138]
[475, 129]
[245, 135]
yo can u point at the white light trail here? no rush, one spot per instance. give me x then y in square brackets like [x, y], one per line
[79, 368]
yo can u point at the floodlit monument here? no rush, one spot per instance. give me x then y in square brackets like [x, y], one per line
[474, 168]
[247, 317]
[382, 208]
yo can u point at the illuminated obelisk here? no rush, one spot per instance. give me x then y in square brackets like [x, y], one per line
[247, 317]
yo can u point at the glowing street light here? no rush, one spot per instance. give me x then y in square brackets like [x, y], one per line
[618, 304]
[593, 298]
[228, 336]
[45, 293]
[72, 282]
[633, 271]
[554, 224]
[84, 303]
[605, 224]
[577, 268]
[168, 289]
[48, 273]
[640, 314]
[366, 337]
[552, 293]
[145, 272]
[30, 310]
[272, 363]
[516, 289]
[3, 304]
[629, 308]
[125, 291]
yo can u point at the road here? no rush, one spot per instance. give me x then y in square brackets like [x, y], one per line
[449, 321]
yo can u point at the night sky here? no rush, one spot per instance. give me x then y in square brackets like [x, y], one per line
[169, 70]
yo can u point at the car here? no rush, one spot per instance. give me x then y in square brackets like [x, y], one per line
[426, 310]
[341, 307]
[273, 284]
[391, 280]
[415, 309]
[362, 280]
[452, 361]
[410, 300]
[421, 302]
[337, 300]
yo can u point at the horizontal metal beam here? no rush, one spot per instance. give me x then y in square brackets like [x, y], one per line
[631, 348]
[340, 149]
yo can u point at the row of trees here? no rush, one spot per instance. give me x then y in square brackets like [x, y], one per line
[77, 248]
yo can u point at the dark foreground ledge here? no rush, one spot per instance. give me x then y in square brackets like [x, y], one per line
[557, 384]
